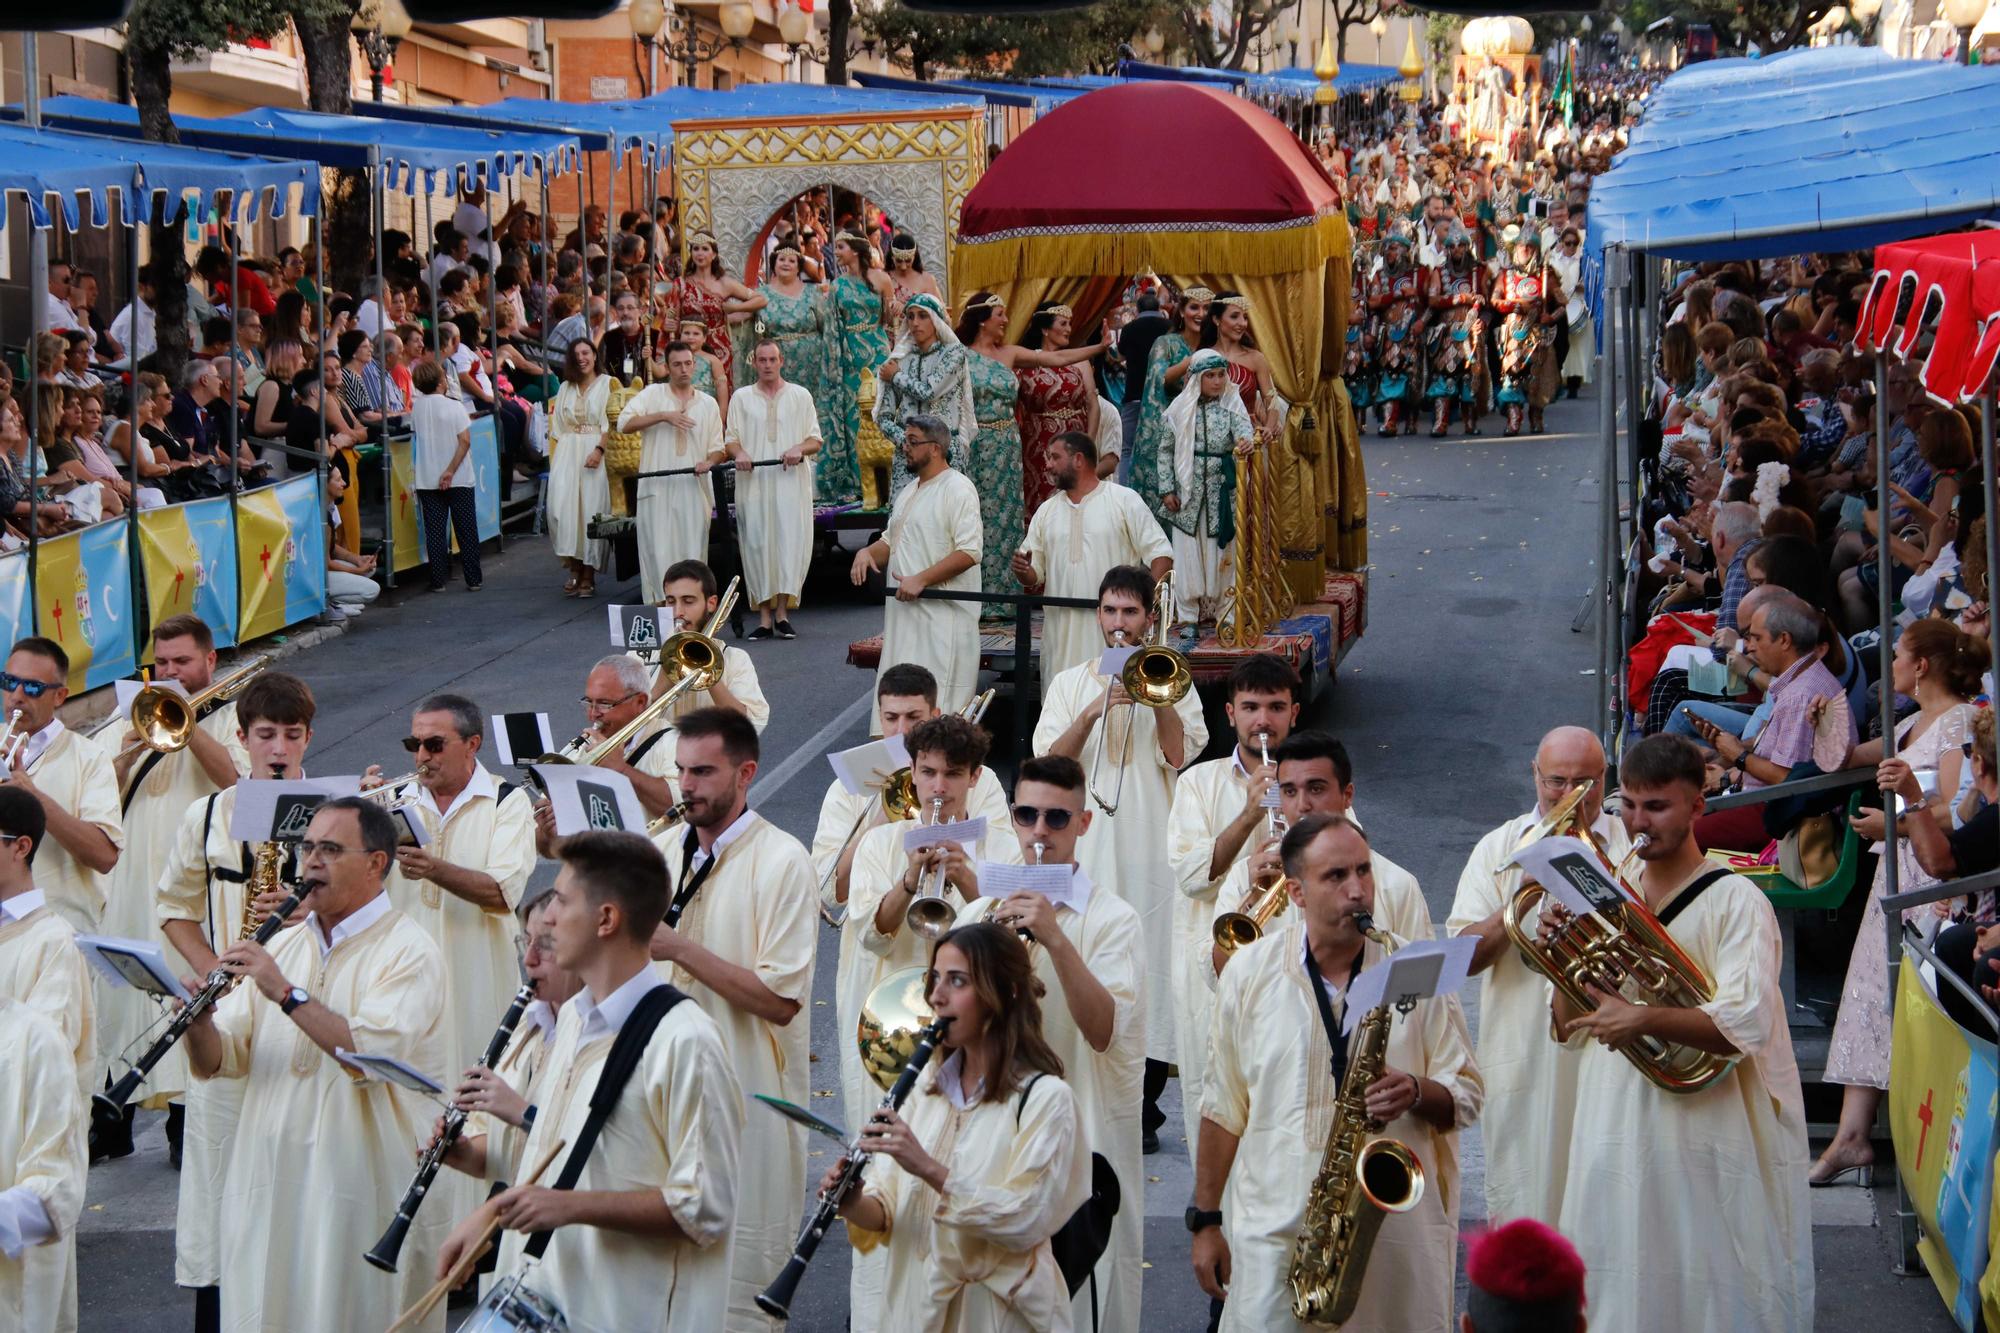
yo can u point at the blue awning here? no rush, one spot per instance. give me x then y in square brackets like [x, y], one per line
[51, 164]
[1036, 95]
[598, 127]
[1142, 69]
[1297, 80]
[793, 99]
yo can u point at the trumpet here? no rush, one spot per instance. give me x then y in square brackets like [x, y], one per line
[12, 740]
[1264, 899]
[1156, 676]
[165, 718]
[928, 914]
[392, 794]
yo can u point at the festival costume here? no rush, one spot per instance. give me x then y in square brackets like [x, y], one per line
[1456, 343]
[807, 330]
[1053, 400]
[1395, 318]
[1527, 347]
[578, 492]
[994, 464]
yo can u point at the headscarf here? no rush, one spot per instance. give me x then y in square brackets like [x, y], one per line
[1181, 413]
[956, 409]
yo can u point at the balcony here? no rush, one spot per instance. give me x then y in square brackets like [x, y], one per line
[246, 75]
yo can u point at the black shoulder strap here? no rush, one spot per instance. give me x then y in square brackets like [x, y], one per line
[626, 1049]
[1692, 892]
[139, 775]
[1022, 1105]
[645, 745]
[501, 793]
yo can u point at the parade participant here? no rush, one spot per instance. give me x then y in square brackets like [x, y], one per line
[1227, 331]
[1091, 527]
[630, 350]
[774, 419]
[42, 1166]
[1395, 313]
[709, 294]
[642, 1240]
[926, 374]
[689, 596]
[739, 940]
[906, 273]
[615, 692]
[1281, 1009]
[1053, 402]
[71, 777]
[1357, 358]
[1166, 372]
[40, 965]
[1710, 1227]
[1529, 299]
[680, 427]
[965, 1235]
[1530, 1080]
[1087, 716]
[579, 488]
[1087, 952]
[1521, 1275]
[1210, 429]
[862, 294]
[1221, 809]
[799, 320]
[932, 541]
[1456, 291]
[710, 375]
[200, 904]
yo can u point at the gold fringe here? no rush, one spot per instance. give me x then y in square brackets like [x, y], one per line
[987, 264]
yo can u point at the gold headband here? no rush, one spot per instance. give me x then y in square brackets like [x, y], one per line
[1240, 302]
[702, 238]
[902, 251]
[1060, 310]
[990, 303]
[1193, 294]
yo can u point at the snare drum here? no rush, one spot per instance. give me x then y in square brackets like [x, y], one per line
[513, 1307]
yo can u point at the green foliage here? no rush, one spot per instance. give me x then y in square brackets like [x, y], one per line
[185, 29]
[1072, 41]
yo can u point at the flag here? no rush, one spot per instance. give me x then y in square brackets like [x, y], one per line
[187, 553]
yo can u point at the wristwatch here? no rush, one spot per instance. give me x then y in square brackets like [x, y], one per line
[1199, 1220]
[294, 997]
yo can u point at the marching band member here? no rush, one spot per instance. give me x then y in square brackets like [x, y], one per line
[945, 754]
[933, 540]
[1530, 1080]
[199, 902]
[42, 1166]
[617, 690]
[680, 426]
[771, 418]
[965, 1234]
[1088, 717]
[1274, 1072]
[689, 596]
[156, 787]
[355, 975]
[1086, 528]
[1218, 810]
[40, 965]
[642, 1241]
[1522, 1274]
[739, 938]
[1089, 959]
[70, 775]
[1709, 1226]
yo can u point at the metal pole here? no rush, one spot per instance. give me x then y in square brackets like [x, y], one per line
[1986, 465]
[137, 201]
[235, 431]
[1609, 709]
[38, 316]
[1885, 655]
[386, 569]
[319, 322]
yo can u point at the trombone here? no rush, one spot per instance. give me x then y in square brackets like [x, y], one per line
[928, 914]
[1156, 676]
[165, 718]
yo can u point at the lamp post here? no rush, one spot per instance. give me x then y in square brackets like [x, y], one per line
[688, 46]
[1963, 15]
[795, 29]
[379, 26]
[648, 17]
[1153, 42]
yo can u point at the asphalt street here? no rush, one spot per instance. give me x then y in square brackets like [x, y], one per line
[1481, 553]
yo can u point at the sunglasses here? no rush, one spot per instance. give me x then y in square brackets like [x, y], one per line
[427, 744]
[33, 689]
[1055, 817]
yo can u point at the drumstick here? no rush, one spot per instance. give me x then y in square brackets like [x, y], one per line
[445, 1285]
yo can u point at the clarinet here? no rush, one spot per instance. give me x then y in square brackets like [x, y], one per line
[383, 1256]
[776, 1299]
[212, 990]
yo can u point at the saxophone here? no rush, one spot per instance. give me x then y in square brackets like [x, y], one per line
[266, 876]
[1363, 1177]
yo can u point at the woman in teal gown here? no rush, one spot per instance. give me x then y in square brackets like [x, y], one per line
[1168, 358]
[800, 318]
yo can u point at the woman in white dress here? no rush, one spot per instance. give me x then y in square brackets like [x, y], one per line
[1566, 260]
[578, 485]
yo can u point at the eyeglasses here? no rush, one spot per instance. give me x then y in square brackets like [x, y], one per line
[324, 851]
[1055, 817]
[591, 705]
[428, 744]
[33, 689]
[1551, 783]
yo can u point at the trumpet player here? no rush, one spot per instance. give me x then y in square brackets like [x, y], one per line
[1530, 1080]
[1710, 1226]
[1220, 808]
[690, 596]
[199, 901]
[739, 937]
[1087, 948]
[1276, 1064]
[1135, 753]
[69, 774]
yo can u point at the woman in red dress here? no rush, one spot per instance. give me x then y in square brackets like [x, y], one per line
[1054, 398]
[709, 294]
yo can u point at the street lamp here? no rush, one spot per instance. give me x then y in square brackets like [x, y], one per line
[688, 46]
[380, 27]
[1964, 15]
[1293, 34]
[1154, 41]
[648, 17]
[795, 27]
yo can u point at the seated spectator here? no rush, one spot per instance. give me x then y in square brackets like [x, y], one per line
[74, 371]
[214, 337]
[17, 507]
[357, 358]
[292, 323]
[141, 343]
[341, 419]
[150, 401]
[270, 419]
[181, 471]
[350, 583]
[90, 447]
[105, 349]
[302, 437]
[212, 266]
[192, 419]
[250, 350]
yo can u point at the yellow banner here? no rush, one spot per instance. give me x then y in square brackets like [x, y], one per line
[188, 554]
[263, 542]
[62, 602]
[403, 505]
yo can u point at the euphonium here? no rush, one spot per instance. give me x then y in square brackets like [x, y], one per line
[1363, 1177]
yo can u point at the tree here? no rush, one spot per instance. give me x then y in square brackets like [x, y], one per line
[928, 41]
[1085, 40]
[1355, 14]
[1218, 48]
[326, 41]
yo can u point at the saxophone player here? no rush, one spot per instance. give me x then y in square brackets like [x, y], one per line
[1280, 1001]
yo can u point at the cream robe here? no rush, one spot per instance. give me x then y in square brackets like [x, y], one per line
[675, 1128]
[519, 1067]
[657, 760]
[674, 512]
[757, 909]
[1696, 1215]
[41, 967]
[576, 492]
[152, 819]
[978, 1260]
[1530, 1078]
[928, 522]
[321, 1158]
[739, 675]
[774, 505]
[44, 1148]
[191, 890]
[1270, 1082]
[1109, 1084]
[1126, 852]
[75, 773]
[1070, 546]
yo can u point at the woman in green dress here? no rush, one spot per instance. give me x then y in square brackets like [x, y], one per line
[925, 375]
[1166, 367]
[801, 319]
[862, 296]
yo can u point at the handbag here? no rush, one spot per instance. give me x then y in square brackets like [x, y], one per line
[1809, 854]
[1080, 1242]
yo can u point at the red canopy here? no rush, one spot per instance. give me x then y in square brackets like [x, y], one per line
[1950, 285]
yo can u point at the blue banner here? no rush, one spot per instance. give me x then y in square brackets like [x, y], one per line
[305, 553]
[488, 482]
[104, 551]
[16, 615]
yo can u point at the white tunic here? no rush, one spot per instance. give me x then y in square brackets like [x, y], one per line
[675, 1129]
[1696, 1215]
[43, 1152]
[1270, 1082]
[75, 773]
[1108, 1084]
[1400, 908]
[674, 512]
[756, 909]
[774, 505]
[1126, 852]
[1070, 546]
[739, 677]
[1530, 1078]
[41, 967]
[839, 808]
[577, 492]
[929, 521]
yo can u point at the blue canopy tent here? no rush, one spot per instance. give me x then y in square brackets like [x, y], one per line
[617, 128]
[1144, 69]
[1036, 96]
[1351, 79]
